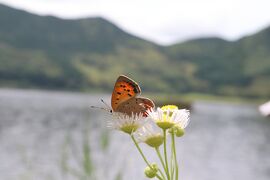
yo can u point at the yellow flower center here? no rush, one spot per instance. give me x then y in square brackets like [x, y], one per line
[169, 107]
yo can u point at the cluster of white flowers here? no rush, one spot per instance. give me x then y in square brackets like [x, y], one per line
[149, 129]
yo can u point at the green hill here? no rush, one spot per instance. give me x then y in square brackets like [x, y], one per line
[230, 68]
[88, 54]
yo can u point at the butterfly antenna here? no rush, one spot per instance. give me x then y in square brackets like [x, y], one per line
[107, 108]
[102, 108]
[105, 103]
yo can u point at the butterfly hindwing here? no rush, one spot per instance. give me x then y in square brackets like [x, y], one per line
[124, 89]
[136, 105]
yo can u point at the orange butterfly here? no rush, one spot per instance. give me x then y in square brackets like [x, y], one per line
[125, 100]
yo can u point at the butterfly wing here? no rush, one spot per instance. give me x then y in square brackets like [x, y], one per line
[124, 89]
[136, 105]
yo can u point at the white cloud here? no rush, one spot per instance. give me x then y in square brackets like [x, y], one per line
[164, 21]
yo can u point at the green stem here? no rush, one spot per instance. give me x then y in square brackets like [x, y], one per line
[139, 149]
[162, 162]
[163, 176]
[172, 160]
[144, 158]
[160, 178]
[165, 155]
[175, 158]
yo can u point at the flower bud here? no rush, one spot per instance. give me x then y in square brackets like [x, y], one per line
[151, 172]
[154, 166]
[179, 131]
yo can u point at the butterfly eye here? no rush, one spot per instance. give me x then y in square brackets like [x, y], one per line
[110, 111]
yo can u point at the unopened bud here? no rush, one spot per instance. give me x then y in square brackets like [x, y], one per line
[179, 131]
[151, 172]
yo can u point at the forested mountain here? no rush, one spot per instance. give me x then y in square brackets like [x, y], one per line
[88, 54]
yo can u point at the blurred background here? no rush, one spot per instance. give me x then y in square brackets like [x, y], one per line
[59, 57]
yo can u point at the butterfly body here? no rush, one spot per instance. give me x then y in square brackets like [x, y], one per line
[125, 100]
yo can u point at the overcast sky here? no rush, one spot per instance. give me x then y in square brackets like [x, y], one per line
[164, 21]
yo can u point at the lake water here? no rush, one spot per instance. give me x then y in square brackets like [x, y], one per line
[43, 135]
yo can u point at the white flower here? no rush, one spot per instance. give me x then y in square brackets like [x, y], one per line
[150, 134]
[126, 123]
[181, 117]
[169, 116]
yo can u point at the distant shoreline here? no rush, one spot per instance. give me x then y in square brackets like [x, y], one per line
[160, 97]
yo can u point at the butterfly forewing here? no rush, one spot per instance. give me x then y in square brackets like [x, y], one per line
[124, 89]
